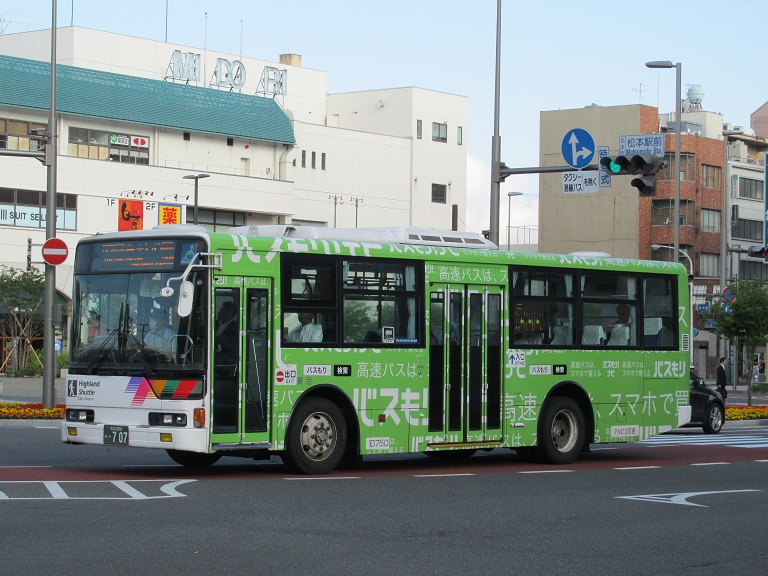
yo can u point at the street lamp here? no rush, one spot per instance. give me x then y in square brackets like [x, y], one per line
[681, 251]
[678, 136]
[509, 214]
[196, 178]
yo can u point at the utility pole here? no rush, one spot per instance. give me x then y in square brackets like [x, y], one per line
[49, 296]
[493, 230]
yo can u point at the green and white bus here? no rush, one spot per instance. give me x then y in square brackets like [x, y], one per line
[317, 344]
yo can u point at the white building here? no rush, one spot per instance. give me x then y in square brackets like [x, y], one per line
[136, 116]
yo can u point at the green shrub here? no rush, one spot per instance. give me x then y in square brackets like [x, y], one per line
[33, 367]
[62, 362]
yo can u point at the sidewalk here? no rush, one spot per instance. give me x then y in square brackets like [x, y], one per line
[29, 389]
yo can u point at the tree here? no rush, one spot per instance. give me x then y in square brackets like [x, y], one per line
[21, 317]
[745, 317]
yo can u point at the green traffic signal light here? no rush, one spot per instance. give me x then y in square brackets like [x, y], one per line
[613, 167]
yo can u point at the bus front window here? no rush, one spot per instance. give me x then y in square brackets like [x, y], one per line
[123, 325]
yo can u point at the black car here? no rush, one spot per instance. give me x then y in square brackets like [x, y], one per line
[707, 406]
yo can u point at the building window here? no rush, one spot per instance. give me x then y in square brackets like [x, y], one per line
[187, 137]
[219, 220]
[710, 220]
[687, 168]
[303, 158]
[748, 229]
[749, 188]
[322, 161]
[418, 129]
[663, 211]
[753, 270]
[230, 141]
[459, 136]
[710, 176]
[439, 193]
[314, 156]
[15, 135]
[709, 264]
[27, 208]
[133, 149]
[439, 132]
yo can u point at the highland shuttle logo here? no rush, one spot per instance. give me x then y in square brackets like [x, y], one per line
[140, 388]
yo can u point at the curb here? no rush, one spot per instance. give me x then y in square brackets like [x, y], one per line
[30, 423]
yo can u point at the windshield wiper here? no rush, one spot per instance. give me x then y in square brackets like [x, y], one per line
[97, 354]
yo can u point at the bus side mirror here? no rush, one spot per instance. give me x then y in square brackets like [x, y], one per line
[186, 295]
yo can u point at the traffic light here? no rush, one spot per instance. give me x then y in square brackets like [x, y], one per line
[758, 251]
[644, 166]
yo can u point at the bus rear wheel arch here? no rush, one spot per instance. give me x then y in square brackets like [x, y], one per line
[316, 438]
[562, 430]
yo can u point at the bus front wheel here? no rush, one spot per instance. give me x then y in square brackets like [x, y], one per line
[317, 437]
[193, 459]
[561, 431]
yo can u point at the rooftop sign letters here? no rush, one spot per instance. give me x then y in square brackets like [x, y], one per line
[226, 74]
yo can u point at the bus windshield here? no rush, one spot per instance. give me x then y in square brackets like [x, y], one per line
[124, 326]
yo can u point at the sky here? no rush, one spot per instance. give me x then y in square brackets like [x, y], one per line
[555, 54]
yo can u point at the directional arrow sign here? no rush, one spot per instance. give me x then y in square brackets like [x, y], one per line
[578, 148]
[55, 251]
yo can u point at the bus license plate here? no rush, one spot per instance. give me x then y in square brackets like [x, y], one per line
[116, 435]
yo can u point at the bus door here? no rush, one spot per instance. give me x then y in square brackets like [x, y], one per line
[240, 377]
[465, 367]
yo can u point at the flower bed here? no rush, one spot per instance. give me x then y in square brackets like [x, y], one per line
[746, 412]
[19, 410]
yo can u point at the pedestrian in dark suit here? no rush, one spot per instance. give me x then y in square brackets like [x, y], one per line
[720, 383]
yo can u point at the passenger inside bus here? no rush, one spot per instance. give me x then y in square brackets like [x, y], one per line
[307, 330]
[619, 330]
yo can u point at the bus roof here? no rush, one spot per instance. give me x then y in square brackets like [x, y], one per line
[468, 243]
[391, 235]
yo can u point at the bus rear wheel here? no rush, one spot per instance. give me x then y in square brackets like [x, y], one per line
[193, 459]
[561, 431]
[317, 437]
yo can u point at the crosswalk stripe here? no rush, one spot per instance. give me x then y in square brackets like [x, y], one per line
[732, 441]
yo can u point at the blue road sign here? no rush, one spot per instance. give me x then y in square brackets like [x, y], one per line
[578, 148]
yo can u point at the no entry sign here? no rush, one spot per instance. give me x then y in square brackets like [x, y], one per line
[55, 251]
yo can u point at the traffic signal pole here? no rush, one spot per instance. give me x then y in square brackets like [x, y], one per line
[504, 171]
[49, 352]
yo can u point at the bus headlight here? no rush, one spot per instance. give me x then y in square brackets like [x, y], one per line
[167, 419]
[74, 415]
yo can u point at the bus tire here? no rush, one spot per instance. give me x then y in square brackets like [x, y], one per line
[193, 459]
[316, 438]
[561, 431]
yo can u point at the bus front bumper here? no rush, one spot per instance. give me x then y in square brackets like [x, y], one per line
[162, 437]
